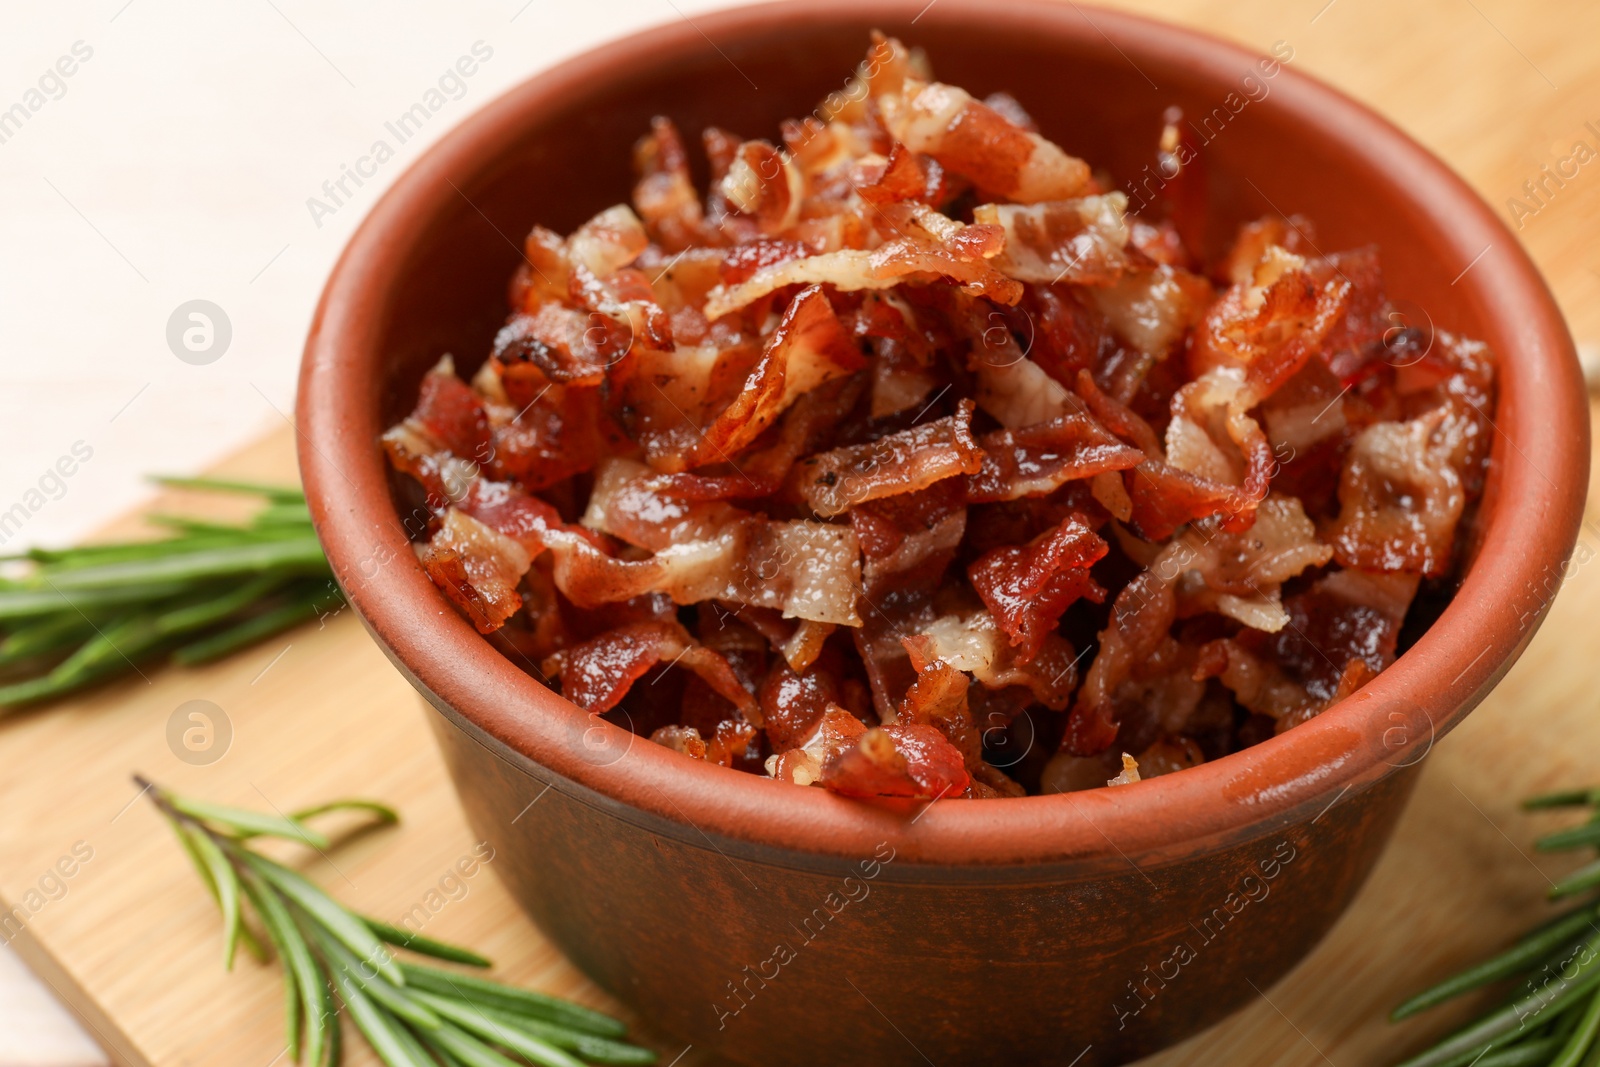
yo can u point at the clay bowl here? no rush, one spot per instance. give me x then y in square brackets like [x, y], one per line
[779, 925]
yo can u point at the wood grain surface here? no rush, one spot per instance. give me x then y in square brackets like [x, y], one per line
[130, 940]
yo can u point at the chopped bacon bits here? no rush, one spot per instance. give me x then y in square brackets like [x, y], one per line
[903, 446]
[1027, 587]
[904, 462]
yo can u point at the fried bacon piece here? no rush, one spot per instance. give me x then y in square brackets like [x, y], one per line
[908, 540]
[1027, 587]
[909, 760]
[805, 570]
[1269, 325]
[1342, 632]
[975, 643]
[597, 674]
[477, 568]
[892, 406]
[834, 482]
[1400, 498]
[765, 184]
[808, 348]
[664, 195]
[1153, 310]
[1238, 574]
[980, 144]
[1078, 241]
[1039, 459]
[452, 413]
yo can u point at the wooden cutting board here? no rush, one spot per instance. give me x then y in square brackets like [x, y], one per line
[130, 941]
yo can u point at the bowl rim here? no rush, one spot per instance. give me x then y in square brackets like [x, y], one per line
[1541, 452]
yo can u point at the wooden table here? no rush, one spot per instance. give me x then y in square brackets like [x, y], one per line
[130, 941]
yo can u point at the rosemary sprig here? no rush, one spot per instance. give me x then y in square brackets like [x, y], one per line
[1553, 1017]
[79, 616]
[336, 962]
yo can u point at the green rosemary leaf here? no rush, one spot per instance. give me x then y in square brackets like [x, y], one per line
[284, 493]
[49, 686]
[304, 986]
[1555, 997]
[65, 560]
[486, 993]
[246, 633]
[227, 885]
[50, 634]
[484, 1026]
[249, 823]
[1566, 798]
[1520, 957]
[1528, 1054]
[1574, 837]
[425, 946]
[382, 1031]
[466, 1048]
[188, 837]
[32, 601]
[284, 514]
[300, 555]
[1585, 877]
[589, 1047]
[328, 1017]
[1572, 1053]
[328, 913]
[382, 813]
[203, 612]
[109, 652]
[389, 997]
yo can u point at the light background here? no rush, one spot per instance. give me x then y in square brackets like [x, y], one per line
[177, 162]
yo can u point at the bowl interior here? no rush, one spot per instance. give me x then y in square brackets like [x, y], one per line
[427, 274]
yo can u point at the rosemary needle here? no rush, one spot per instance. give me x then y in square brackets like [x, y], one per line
[337, 964]
[1553, 1018]
[75, 617]
[1531, 950]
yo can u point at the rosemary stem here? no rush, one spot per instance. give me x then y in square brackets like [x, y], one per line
[1555, 997]
[1521, 956]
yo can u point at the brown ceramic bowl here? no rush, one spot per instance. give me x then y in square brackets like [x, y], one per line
[768, 922]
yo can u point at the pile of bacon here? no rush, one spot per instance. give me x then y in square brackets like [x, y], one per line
[908, 462]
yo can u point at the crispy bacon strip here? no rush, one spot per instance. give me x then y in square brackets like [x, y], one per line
[1028, 587]
[975, 643]
[1080, 242]
[1343, 632]
[597, 674]
[922, 243]
[1153, 310]
[1399, 498]
[909, 760]
[766, 185]
[664, 195]
[978, 143]
[805, 570]
[834, 482]
[1238, 573]
[477, 568]
[1039, 459]
[808, 349]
